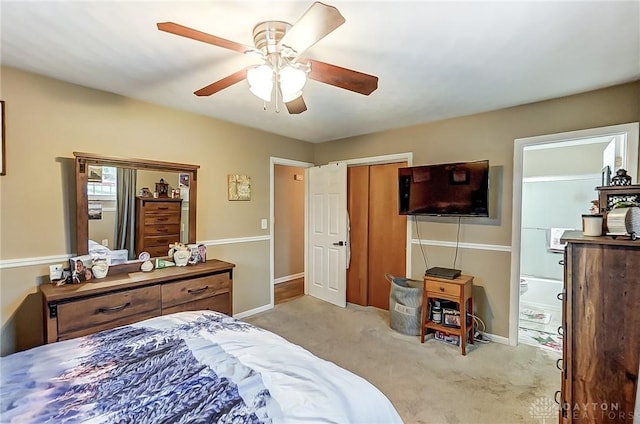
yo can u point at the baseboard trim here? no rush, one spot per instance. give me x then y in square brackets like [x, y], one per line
[496, 339]
[288, 278]
[253, 311]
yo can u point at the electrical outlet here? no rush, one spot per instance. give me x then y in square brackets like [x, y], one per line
[263, 224]
[105, 242]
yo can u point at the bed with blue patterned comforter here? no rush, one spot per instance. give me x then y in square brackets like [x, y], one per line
[183, 368]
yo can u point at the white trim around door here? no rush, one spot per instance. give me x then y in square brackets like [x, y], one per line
[629, 134]
[273, 161]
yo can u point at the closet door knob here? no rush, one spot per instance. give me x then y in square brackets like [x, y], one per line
[560, 296]
[561, 262]
[340, 243]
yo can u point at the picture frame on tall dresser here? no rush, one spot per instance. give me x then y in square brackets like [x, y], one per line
[2, 140]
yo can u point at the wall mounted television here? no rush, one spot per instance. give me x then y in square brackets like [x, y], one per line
[450, 189]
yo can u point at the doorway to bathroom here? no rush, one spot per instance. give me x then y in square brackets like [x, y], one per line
[555, 180]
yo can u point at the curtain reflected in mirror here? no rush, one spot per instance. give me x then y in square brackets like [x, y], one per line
[125, 225]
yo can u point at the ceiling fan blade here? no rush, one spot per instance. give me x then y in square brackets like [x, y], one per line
[225, 82]
[194, 34]
[348, 79]
[296, 106]
[318, 21]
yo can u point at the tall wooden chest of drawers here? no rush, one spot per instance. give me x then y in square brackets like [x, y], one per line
[157, 224]
[601, 329]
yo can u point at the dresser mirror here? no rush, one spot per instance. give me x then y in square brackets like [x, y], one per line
[110, 189]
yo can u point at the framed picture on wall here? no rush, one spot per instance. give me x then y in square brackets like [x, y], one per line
[183, 180]
[239, 187]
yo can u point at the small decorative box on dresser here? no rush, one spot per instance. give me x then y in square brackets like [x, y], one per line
[127, 295]
[601, 329]
[158, 224]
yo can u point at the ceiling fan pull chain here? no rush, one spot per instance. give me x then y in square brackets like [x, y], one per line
[276, 84]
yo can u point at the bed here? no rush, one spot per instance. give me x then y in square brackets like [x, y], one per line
[198, 366]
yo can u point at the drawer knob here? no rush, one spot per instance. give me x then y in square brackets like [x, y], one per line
[558, 362]
[113, 308]
[197, 291]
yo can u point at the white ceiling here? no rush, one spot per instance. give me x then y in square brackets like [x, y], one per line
[435, 60]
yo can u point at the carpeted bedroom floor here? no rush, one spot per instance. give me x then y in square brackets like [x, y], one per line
[430, 382]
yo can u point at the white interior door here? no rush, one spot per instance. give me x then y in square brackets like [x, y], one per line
[327, 237]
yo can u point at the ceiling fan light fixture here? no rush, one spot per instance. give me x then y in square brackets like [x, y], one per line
[260, 79]
[292, 80]
[287, 97]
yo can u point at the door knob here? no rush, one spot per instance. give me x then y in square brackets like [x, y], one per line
[340, 243]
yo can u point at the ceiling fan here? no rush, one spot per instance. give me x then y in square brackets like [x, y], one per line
[284, 70]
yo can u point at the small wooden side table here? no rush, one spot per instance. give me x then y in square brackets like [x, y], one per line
[459, 291]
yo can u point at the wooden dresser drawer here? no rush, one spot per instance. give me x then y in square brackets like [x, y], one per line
[161, 219]
[439, 287]
[219, 303]
[157, 251]
[108, 311]
[163, 241]
[187, 291]
[161, 230]
[162, 207]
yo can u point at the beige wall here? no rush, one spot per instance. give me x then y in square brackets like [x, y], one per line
[288, 234]
[486, 136]
[570, 160]
[47, 120]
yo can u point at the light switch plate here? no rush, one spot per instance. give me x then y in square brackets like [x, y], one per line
[263, 223]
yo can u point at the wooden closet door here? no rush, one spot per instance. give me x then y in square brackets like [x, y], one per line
[387, 232]
[358, 207]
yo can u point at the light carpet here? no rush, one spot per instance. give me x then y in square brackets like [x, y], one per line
[427, 383]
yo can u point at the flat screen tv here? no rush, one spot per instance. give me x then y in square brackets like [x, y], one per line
[450, 189]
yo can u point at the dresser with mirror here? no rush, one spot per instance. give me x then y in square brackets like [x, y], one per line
[127, 294]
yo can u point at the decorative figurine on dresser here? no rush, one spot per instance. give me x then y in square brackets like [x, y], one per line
[620, 206]
[601, 329]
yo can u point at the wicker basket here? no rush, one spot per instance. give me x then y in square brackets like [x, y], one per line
[405, 305]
